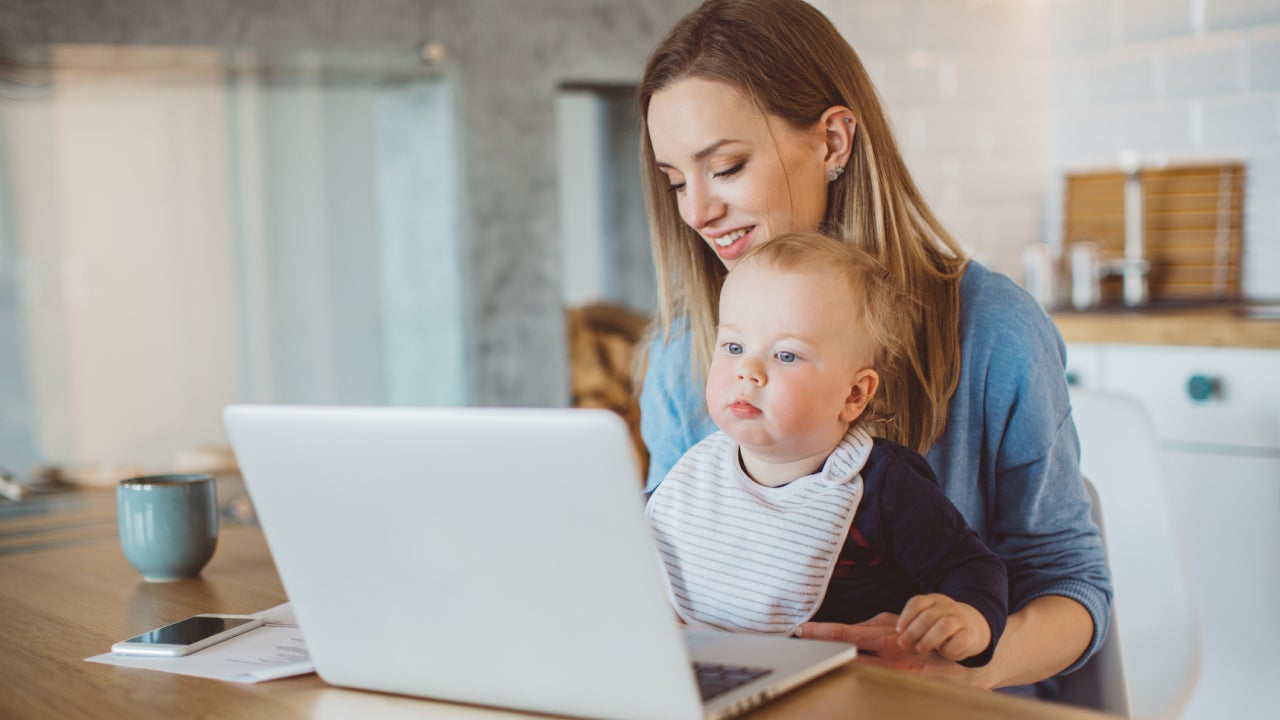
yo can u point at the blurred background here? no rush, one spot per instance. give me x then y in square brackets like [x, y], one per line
[403, 201]
[437, 202]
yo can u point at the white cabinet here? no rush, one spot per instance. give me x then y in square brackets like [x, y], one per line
[1221, 397]
[1084, 366]
[1217, 411]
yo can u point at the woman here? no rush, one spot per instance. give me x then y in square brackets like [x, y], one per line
[758, 119]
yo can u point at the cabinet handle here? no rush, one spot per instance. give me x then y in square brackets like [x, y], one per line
[1201, 388]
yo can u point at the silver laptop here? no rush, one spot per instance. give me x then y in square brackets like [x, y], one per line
[490, 556]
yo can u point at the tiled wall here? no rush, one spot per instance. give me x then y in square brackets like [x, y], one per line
[1175, 81]
[994, 100]
[963, 83]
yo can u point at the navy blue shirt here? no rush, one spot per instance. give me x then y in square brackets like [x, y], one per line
[908, 539]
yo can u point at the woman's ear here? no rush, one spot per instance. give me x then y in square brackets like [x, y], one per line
[839, 125]
[865, 384]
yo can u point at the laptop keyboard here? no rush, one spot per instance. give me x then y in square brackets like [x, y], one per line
[715, 680]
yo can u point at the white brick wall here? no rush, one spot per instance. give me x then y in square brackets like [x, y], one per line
[1202, 66]
[1178, 81]
[1123, 75]
[1241, 122]
[1141, 21]
[963, 82]
[1264, 59]
[1236, 14]
[994, 100]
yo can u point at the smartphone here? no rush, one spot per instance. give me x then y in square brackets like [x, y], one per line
[187, 636]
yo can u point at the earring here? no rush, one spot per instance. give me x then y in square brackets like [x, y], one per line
[834, 173]
[848, 120]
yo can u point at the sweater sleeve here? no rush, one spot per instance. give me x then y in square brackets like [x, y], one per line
[1009, 458]
[1041, 525]
[929, 539]
[1045, 534]
[673, 416]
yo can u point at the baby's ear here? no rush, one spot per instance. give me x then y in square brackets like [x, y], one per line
[865, 384]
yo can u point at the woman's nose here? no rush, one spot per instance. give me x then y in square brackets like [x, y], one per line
[700, 206]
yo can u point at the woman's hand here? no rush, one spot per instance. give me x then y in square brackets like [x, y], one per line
[878, 644]
[1041, 639]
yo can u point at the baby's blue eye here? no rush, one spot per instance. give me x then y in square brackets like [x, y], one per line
[733, 348]
[785, 356]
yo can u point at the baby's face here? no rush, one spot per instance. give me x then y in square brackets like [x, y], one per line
[786, 358]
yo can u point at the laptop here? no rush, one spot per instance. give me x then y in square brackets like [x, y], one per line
[490, 556]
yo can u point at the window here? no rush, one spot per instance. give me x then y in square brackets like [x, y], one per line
[182, 228]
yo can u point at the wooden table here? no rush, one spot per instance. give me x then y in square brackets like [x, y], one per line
[62, 604]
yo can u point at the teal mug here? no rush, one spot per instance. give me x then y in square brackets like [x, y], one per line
[168, 524]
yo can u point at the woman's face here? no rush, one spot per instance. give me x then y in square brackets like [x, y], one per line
[740, 178]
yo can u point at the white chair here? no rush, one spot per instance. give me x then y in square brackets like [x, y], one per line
[1149, 664]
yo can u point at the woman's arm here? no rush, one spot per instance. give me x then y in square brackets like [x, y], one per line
[1040, 640]
[672, 406]
[1012, 461]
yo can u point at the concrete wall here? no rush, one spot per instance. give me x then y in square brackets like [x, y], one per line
[511, 56]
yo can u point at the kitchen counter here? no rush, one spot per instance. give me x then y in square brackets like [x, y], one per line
[1205, 326]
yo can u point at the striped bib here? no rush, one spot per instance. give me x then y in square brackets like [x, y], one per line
[741, 556]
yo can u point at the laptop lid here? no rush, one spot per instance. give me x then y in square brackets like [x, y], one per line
[480, 555]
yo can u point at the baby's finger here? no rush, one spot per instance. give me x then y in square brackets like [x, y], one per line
[943, 629]
[912, 610]
[914, 632]
[958, 647]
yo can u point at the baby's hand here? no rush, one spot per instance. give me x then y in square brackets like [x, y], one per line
[936, 622]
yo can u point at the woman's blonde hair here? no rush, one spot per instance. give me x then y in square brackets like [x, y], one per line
[787, 58]
[883, 313]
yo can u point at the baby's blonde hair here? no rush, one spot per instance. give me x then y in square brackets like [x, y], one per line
[882, 311]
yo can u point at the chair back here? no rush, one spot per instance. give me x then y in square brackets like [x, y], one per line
[1100, 684]
[1149, 664]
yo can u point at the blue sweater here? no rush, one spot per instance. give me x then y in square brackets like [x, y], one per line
[1009, 458]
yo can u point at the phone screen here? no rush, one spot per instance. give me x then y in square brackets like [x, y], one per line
[191, 630]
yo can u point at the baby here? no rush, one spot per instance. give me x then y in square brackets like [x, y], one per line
[792, 512]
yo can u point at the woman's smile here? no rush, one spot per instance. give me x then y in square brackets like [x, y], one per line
[733, 243]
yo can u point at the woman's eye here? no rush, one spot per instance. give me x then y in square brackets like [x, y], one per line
[730, 172]
[733, 348]
[785, 356]
[675, 187]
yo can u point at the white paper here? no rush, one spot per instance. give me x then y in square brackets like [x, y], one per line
[274, 650]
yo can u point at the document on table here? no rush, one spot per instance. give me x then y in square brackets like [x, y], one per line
[274, 650]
